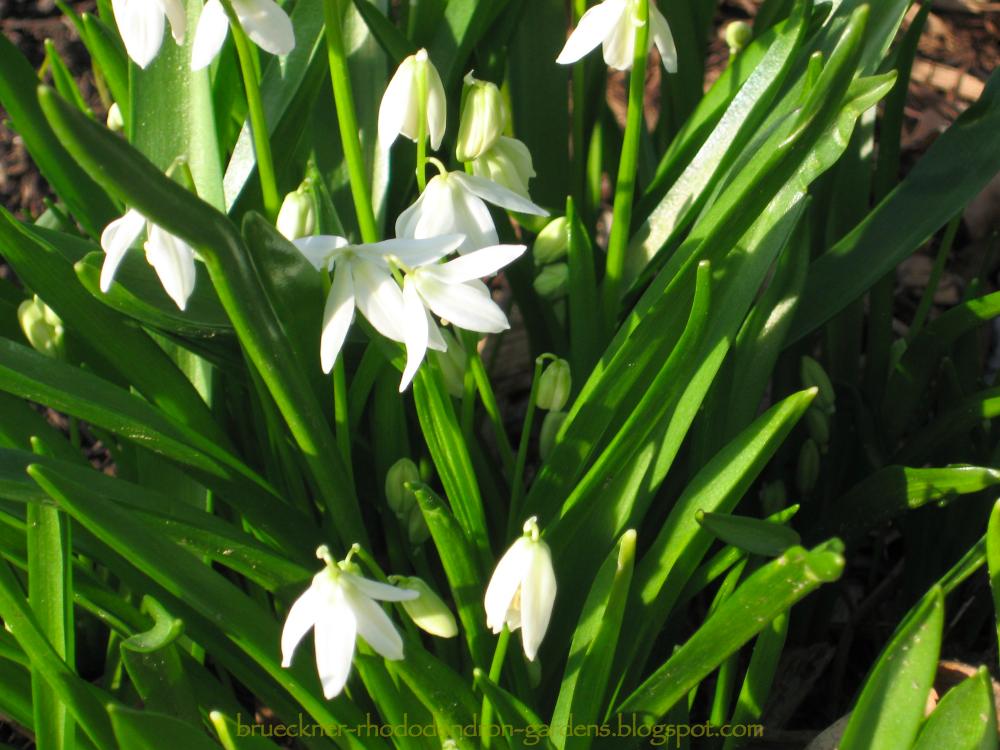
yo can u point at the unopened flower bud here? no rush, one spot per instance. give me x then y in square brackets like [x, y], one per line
[554, 386]
[41, 326]
[401, 499]
[773, 497]
[416, 527]
[738, 36]
[552, 281]
[807, 471]
[818, 424]
[484, 116]
[428, 611]
[297, 216]
[551, 425]
[115, 121]
[552, 242]
[507, 163]
[814, 376]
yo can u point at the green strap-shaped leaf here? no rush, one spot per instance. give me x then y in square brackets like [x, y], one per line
[392, 40]
[526, 728]
[965, 719]
[753, 535]
[993, 561]
[760, 674]
[891, 707]
[149, 730]
[233, 735]
[948, 425]
[109, 57]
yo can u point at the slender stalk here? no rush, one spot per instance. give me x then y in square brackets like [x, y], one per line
[517, 483]
[924, 308]
[489, 400]
[579, 155]
[495, 668]
[341, 415]
[258, 123]
[422, 127]
[348, 121]
[625, 189]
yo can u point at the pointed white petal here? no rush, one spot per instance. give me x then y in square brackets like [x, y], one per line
[472, 218]
[175, 13]
[463, 304]
[338, 314]
[418, 252]
[433, 213]
[336, 629]
[660, 33]
[301, 618]
[435, 340]
[210, 34]
[437, 108]
[379, 298]
[319, 250]
[497, 194]
[267, 25]
[538, 593]
[591, 31]
[619, 44]
[416, 332]
[504, 584]
[116, 239]
[140, 24]
[173, 260]
[479, 264]
[375, 626]
[397, 111]
[377, 590]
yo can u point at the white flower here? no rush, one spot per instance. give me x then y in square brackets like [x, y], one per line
[484, 116]
[362, 277]
[171, 257]
[523, 589]
[453, 203]
[140, 23]
[339, 606]
[612, 24]
[267, 25]
[399, 112]
[454, 292]
[507, 163]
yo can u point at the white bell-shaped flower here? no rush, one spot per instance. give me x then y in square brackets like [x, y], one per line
[141, 22]
[611, 24]
[170, 256]
[484, 116]
[455, 203]
[523, 590]
[264, 22]
[399, 112]
[508, 164]
[339, 606]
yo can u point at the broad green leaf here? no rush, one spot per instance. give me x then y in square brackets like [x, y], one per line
[965, 719]
[760, 674]
[233, 736]
[528, 730]
[108, 57]
[15, 700]
[890, 710]
[753, 535]
[149, 730]
[62, 79]
[763, 596]
[584, 314]
[993, 561]
[392, 40]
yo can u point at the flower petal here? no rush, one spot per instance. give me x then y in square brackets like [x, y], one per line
[505, 582]
[140, 25]
[619, 44]
[472, 218]
[175, 13]
[116, 239]
[413, 252]
[435, 340]
[338, 314]
[301, 618]
[437, 107]
[538, 593]
[593, 28]
[432, 214]
[497, 194]
[379, 298]
[375, 626]
[465, 305]
[267, 25]
[210, 34]
[173, 260]
[479, 264]
[416, 332]
[336, 630]
[660, 33]
[319, 250]
[381, 591]
[398, 109]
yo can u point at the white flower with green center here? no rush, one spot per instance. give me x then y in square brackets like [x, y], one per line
[339, 606]
[170, 256]
[455, 203]
[523, 589]
[611, 24]
[399, 112]
[141, 23]
[264, 22]
[452, 291]
[363, 279]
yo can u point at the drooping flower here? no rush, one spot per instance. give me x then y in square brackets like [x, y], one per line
[42, 326]
[297, 215]
[170, 256]
[455, 203]
[612, 24]
[339, 606]
[452, 291]
[484, 116]
[141, 22]
[362, 278]
[399, 112]
[523, 589]
[507, 163]
[428, 611]
[267, 25]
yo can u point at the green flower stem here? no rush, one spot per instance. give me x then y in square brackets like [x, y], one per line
[920, 317]
[579, 138]
[422, 128]
[495, 668]
[255, 107]
[489, 400]
[625, 189]
[341, 415]
[517, 483]
[348, 121]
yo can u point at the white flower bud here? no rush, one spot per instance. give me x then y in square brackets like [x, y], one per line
[738, 36]
[41, 326]
[484, 116]
[428, 611]
[507, 163]
[554, 386]
[115, 121]
[297, 216]
[552, 242]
